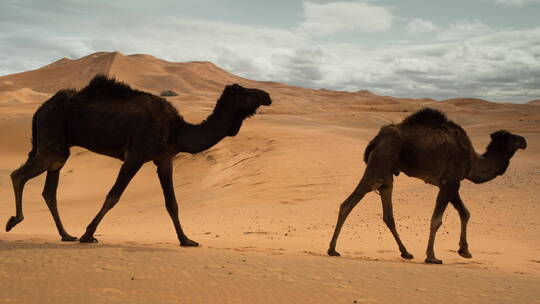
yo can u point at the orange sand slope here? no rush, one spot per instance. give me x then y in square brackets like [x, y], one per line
[263, 204]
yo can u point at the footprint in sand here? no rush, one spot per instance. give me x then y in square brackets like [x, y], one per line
[111, 291]
[490, 252]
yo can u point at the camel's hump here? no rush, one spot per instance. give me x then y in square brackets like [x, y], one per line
[105, 85]
[426, 117]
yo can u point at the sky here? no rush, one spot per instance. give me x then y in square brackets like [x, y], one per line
[487, 49]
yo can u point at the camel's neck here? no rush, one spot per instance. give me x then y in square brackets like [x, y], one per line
[197, 138]
[487, 166]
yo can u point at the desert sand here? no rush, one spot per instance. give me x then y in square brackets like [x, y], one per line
[263, 204]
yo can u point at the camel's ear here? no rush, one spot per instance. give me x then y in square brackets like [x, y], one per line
[498, 134]
[233, 86]
[233, 89]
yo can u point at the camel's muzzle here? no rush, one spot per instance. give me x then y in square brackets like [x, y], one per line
[266, 100]
[522, 143]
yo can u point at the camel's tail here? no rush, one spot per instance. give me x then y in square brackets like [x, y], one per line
[389, 139]
[372, 144]
[32, 153]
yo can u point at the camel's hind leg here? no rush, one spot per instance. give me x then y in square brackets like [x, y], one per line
[388, 214]
[381, 163]
[464, 215]
[33, 167]
[344, 210]
[49, 194]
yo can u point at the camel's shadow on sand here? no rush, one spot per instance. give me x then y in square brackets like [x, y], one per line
[45, 245]
[38, 245]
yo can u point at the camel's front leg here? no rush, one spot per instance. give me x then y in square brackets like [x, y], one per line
[165, 178]
[446, 193]
[464, 215]
[128, 170]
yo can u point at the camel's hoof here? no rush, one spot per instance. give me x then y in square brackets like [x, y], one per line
[333, 253]
[189, 243]
[12, 222]
[68, 238]
[407, 256]
[433, 261]
[465, 253]
[88, 239]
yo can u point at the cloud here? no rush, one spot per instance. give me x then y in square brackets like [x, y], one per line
[461, 29]
[479, 66]
[329, 18]
[497, 65]
[29, 34]
[421, 26]
[518, 3]
[305, 64]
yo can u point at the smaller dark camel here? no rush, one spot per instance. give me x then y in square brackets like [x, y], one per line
[428, 146]
[110, 118]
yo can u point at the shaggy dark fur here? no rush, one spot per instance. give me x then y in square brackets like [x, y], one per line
[109, 117]
[102, 85]
[426, 117]
[428, 146]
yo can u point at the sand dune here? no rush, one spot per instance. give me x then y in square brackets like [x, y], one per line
[158, 75]
[263, 204]
[24, 95]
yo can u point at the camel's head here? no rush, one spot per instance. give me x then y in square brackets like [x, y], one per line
[504, 141]
[243, 102]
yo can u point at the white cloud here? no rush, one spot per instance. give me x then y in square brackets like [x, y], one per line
[421, 26]
[516, 2]
[461, 29]
[329, 18]
[498, 65]
[412, 65]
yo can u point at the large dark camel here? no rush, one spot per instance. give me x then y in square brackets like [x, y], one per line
[428, 146]
[110, 118]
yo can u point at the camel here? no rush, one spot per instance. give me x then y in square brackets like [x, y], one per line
[110, 118]
[428, 146]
